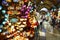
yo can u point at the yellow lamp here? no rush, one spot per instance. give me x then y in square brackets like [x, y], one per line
[9, 0]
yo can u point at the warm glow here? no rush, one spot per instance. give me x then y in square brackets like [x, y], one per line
[9, 12]
[8, 0]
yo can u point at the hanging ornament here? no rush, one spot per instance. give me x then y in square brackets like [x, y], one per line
[13, 20]
[26, 12]
[5, 3]
[29, 7]
[3, 19]
[24, 6]
[22, 9]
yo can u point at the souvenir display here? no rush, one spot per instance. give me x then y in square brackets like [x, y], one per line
[29, 19]
[16, 21]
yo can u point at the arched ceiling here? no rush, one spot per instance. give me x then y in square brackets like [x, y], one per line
[48, 3]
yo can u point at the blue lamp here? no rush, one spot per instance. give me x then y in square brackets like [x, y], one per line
[0, 7]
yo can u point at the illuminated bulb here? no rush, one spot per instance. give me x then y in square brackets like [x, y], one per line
[6, 19]
[6, 15]
[8, 0]
[13, 30]
[1, 26]
[13, 20]
[21, 33]
[4, 22]
[3, 33]
[31, 35]
[0, 7]
[22, 26]
[24, 5]
[18, 31]
[24, 22]
[21, 19]
[12, 27]
[26, 39]
[21, 29]
[15, 0]
[25, 19]
[0, 30]
[3, 11]
[41, 2]
[18, 22]
[17, 27]
[9, 24]
[8, 36]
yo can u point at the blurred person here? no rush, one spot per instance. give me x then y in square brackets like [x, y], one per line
[53, 19]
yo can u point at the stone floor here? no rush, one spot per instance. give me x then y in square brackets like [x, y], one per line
[55, 35]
